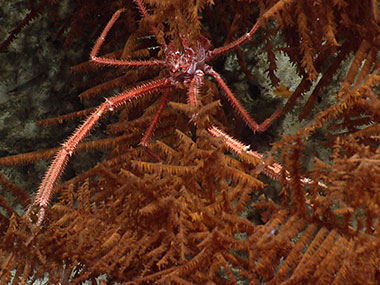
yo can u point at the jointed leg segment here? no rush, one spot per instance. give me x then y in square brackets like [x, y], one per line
[56, 168]
[255, 127]
[117, 62]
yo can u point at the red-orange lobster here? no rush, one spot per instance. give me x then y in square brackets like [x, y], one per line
[185, 67]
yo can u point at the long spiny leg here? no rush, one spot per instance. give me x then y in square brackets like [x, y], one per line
[231, 97]
[273, 170]
[68, 148]
[117, 62]
[149, 132]
[194, 88]
[194, 91]
[234, 44]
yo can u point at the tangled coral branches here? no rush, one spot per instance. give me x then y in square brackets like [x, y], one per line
[190, 218]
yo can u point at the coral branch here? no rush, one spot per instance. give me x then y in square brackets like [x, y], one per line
[154, 30]
[117, 62]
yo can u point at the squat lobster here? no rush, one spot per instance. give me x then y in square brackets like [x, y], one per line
[186, 67]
